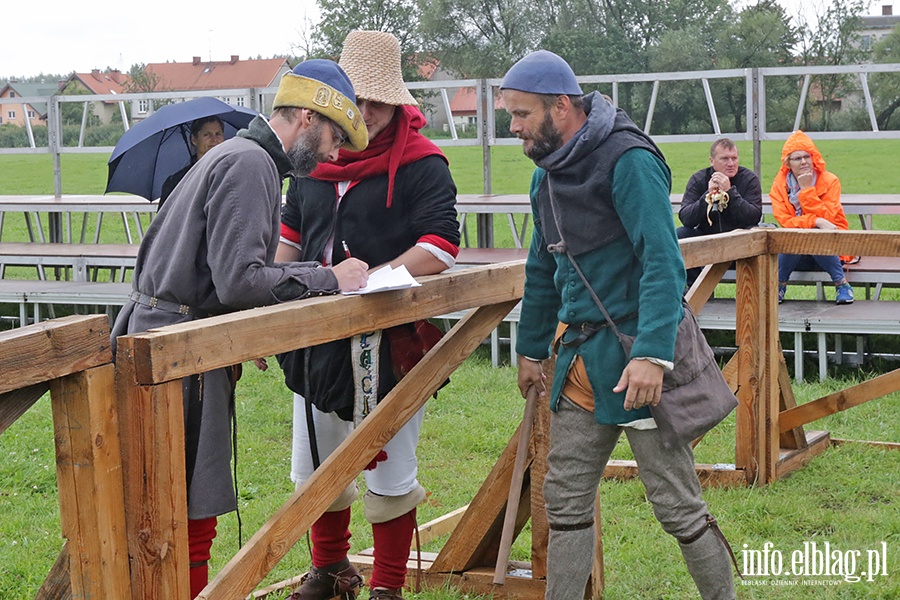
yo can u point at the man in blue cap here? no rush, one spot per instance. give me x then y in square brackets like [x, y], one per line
[600, 199]
[211, 250]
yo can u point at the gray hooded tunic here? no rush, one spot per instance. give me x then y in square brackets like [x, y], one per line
[212, 248]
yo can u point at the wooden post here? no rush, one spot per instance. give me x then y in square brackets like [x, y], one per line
[756, 334]
[151, 434]
[89, 473]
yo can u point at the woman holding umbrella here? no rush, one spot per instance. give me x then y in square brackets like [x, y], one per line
[206, 133]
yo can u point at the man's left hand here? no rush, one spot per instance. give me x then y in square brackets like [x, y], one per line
[643, 381]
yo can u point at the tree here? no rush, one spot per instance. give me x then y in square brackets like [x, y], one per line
[141, 80]
[481, 38]
[886, 86]
[834, 40]
[399, 17]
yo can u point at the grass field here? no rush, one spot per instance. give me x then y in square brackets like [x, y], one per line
[848, 497]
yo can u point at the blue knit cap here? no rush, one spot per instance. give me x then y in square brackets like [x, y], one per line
[542, 72]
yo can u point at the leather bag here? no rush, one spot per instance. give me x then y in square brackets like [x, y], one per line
[695, 395]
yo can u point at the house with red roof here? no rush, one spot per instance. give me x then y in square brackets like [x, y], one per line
[230, 74]
[97, 82]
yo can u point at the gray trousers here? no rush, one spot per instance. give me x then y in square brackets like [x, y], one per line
[579, 451]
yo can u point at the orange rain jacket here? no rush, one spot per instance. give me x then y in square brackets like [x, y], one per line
[823, 200]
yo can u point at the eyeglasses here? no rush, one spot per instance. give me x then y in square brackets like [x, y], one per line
[337, 134]
[800, 159]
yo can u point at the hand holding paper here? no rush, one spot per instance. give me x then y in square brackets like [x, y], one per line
[387, 278]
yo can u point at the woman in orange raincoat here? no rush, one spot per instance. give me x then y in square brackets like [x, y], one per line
[806, 196]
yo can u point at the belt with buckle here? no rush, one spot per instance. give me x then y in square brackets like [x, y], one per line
[153, 302]
[584, 331]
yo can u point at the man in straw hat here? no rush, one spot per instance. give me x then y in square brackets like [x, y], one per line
[393, 203]
[609, 187]
[211, 250]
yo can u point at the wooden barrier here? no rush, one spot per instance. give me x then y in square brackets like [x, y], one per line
[71, 357]
[141, 510]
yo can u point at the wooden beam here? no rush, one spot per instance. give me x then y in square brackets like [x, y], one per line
[151, 437]
[724, 247]
[443, 525]
[51, 349]
[792, 460]
[840, 401]
[792, 438]
[877, 445]
[540, 527]
[818, 241]
[179, 350]
[273, 540]
[57, 585]
[705, 284]
[710, 475]
[89, 476]
[477, 535]
[14, 404]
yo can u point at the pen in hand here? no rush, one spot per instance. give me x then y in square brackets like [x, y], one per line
[346, 249]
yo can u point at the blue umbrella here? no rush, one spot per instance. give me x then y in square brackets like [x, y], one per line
[160, 145]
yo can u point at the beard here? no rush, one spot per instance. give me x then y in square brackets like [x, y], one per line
[547, 139]
[302, 154]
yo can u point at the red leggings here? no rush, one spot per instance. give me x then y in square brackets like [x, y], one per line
[201, 533]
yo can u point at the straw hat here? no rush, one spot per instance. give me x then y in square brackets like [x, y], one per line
[371, 60]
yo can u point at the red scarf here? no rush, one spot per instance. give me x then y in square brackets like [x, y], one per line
[399, 144]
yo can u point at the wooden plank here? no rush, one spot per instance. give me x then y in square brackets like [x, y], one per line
[705, 285]
[89, 473]
[151, 437]
[179, 350]
[540, 527]
[818, 241]
[14, 404]
[878, 445]
[273, 540]
[51, 349]
[478, 580]
[840, 401]
[479, 530]
[443, 525]
[792, 460]
[724, 247]
[57, 585]
[710, 475]
[598, 580]
[793, 438]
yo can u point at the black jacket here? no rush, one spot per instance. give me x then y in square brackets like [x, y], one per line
[744, 206]
[424, 203]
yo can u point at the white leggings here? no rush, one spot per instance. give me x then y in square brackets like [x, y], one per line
[395, 476]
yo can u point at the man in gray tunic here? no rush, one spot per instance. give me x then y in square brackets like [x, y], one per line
[211, 250]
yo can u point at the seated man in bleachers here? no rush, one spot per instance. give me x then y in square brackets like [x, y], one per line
[806, 196]
[722, 197]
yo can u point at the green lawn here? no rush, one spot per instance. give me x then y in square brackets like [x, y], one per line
[848, 496]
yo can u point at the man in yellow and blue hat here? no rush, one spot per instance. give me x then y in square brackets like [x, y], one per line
[211, 250]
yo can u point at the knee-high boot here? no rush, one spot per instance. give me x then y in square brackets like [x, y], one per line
[570, 556]
[708, 561]
[392, 540]
[201, 533]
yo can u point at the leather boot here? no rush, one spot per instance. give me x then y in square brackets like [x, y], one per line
[340, 581]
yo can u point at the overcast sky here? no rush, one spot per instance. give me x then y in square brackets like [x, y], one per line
[68, 37]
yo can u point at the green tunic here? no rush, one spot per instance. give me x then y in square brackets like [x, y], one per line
[642, 271]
